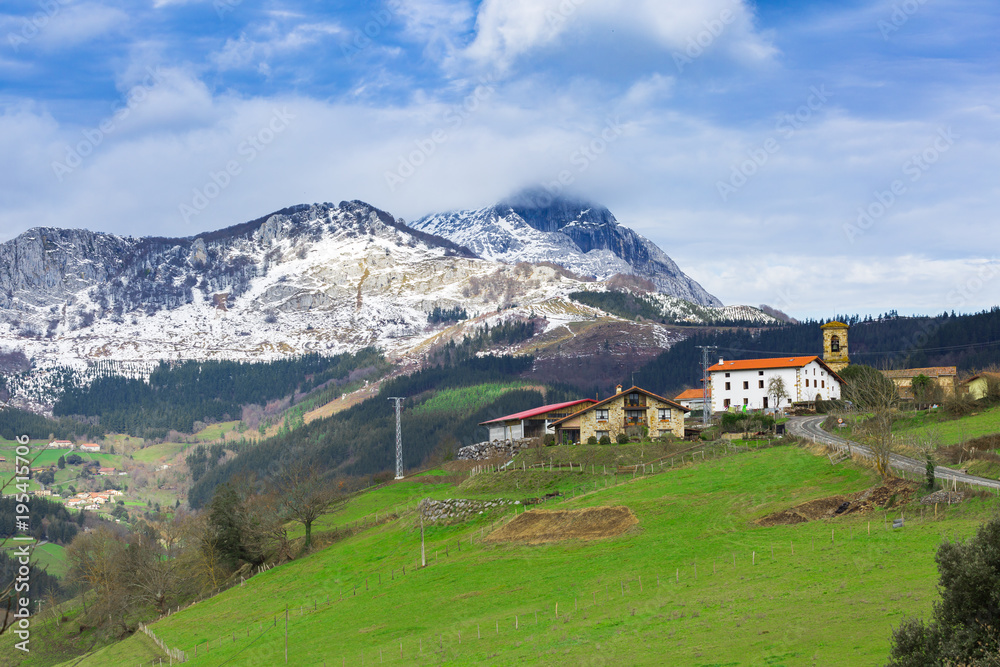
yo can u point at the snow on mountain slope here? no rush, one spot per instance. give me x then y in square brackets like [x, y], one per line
[583, 237]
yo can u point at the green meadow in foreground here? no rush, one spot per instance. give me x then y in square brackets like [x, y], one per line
[695, 582]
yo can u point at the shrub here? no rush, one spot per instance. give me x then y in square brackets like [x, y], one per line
[592, 440]
[965, 628]
[605, 440]
[960, 405]
[549, 440]
[622, 438]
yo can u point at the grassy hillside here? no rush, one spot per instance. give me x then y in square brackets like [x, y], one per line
[696, 581]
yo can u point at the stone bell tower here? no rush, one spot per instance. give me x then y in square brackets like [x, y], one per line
[835, 345]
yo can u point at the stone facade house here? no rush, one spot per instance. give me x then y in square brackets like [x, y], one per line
[635, 407]
[942, 376]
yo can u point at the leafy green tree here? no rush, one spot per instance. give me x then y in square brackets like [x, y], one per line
[61, 462]
[965, 625]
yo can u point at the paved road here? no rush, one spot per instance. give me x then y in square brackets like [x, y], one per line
[809, 427]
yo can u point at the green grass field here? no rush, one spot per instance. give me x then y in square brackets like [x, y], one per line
[464, 400]
[695, 582]
[950, 432]
[53, 557]
[159, 453]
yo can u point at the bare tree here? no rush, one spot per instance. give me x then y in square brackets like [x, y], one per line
[777, 390]
[875, 401]
[304, 496]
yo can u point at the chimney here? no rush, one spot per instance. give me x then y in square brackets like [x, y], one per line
[618, 389]
[721, 361]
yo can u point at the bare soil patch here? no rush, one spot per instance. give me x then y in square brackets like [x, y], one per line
[540, 526]
[891, 493]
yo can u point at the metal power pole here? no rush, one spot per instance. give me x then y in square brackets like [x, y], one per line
[705, 407]
[399, 439]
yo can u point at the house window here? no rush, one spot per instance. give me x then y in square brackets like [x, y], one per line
[746, 401]
[746, 385]
[727, 385]
[760, 384]
[635, 417]
[602, 415]
[727, 374]
[602, 434]
[789, 401]
[760, 372]
[807, 383]
[725, 403]
[663, 414]
[822, 384]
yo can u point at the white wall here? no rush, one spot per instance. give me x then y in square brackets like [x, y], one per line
[820, 382]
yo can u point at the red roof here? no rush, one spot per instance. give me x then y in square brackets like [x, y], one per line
[775, 362]
[759, 364]
[690, 394]
[527, 414]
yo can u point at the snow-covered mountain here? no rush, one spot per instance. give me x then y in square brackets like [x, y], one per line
[311, 278]
[583, 237]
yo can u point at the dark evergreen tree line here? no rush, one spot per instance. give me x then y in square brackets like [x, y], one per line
[15, 423]
[177, 395]
[49, 520]
[360, 441]
[439, 315]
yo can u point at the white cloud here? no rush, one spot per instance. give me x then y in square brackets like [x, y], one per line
[77, 24]
[269, 41]
[507, 30]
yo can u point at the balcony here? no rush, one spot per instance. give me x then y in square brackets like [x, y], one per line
[637, 421]
[635, 402]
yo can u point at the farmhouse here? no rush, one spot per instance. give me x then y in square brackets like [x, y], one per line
[105, 471]
[975, 387]
[736, 384]
[61, 444]
[532, 423]
[90, 447]
[693, 399]
[941, 376]
[624, 412]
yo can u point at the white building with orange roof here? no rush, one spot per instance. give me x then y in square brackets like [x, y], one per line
[692, 399]
[735, 384]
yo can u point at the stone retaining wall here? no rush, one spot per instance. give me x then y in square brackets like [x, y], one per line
[459, 509]
[493, 449]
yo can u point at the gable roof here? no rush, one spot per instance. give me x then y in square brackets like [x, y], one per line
[931, 372]
[982, 375]
[691, 394]
[611, 398]
[534, 412]
[774, 362]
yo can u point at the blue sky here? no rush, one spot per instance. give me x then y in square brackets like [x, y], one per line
[821, 157]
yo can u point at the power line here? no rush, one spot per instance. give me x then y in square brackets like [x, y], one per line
[785, 353]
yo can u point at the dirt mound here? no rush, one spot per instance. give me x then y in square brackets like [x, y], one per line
[541, 526]
[898, 491]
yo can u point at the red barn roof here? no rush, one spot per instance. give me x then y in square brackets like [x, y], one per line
[534, 412]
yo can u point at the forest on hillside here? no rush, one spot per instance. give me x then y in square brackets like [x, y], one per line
[360, 441]
[890, 341]
[180, 394]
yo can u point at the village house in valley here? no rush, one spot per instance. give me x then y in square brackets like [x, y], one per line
[633, 408]
[533, 423]
[976, 386]
[941, 376]
[693, 399]
[736, 384]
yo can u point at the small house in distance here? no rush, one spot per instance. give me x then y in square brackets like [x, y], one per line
[90, 447]
[60, 444]
[633, 408]
[532, 423]
[941, 376]
[693, 399]
[975, 387]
